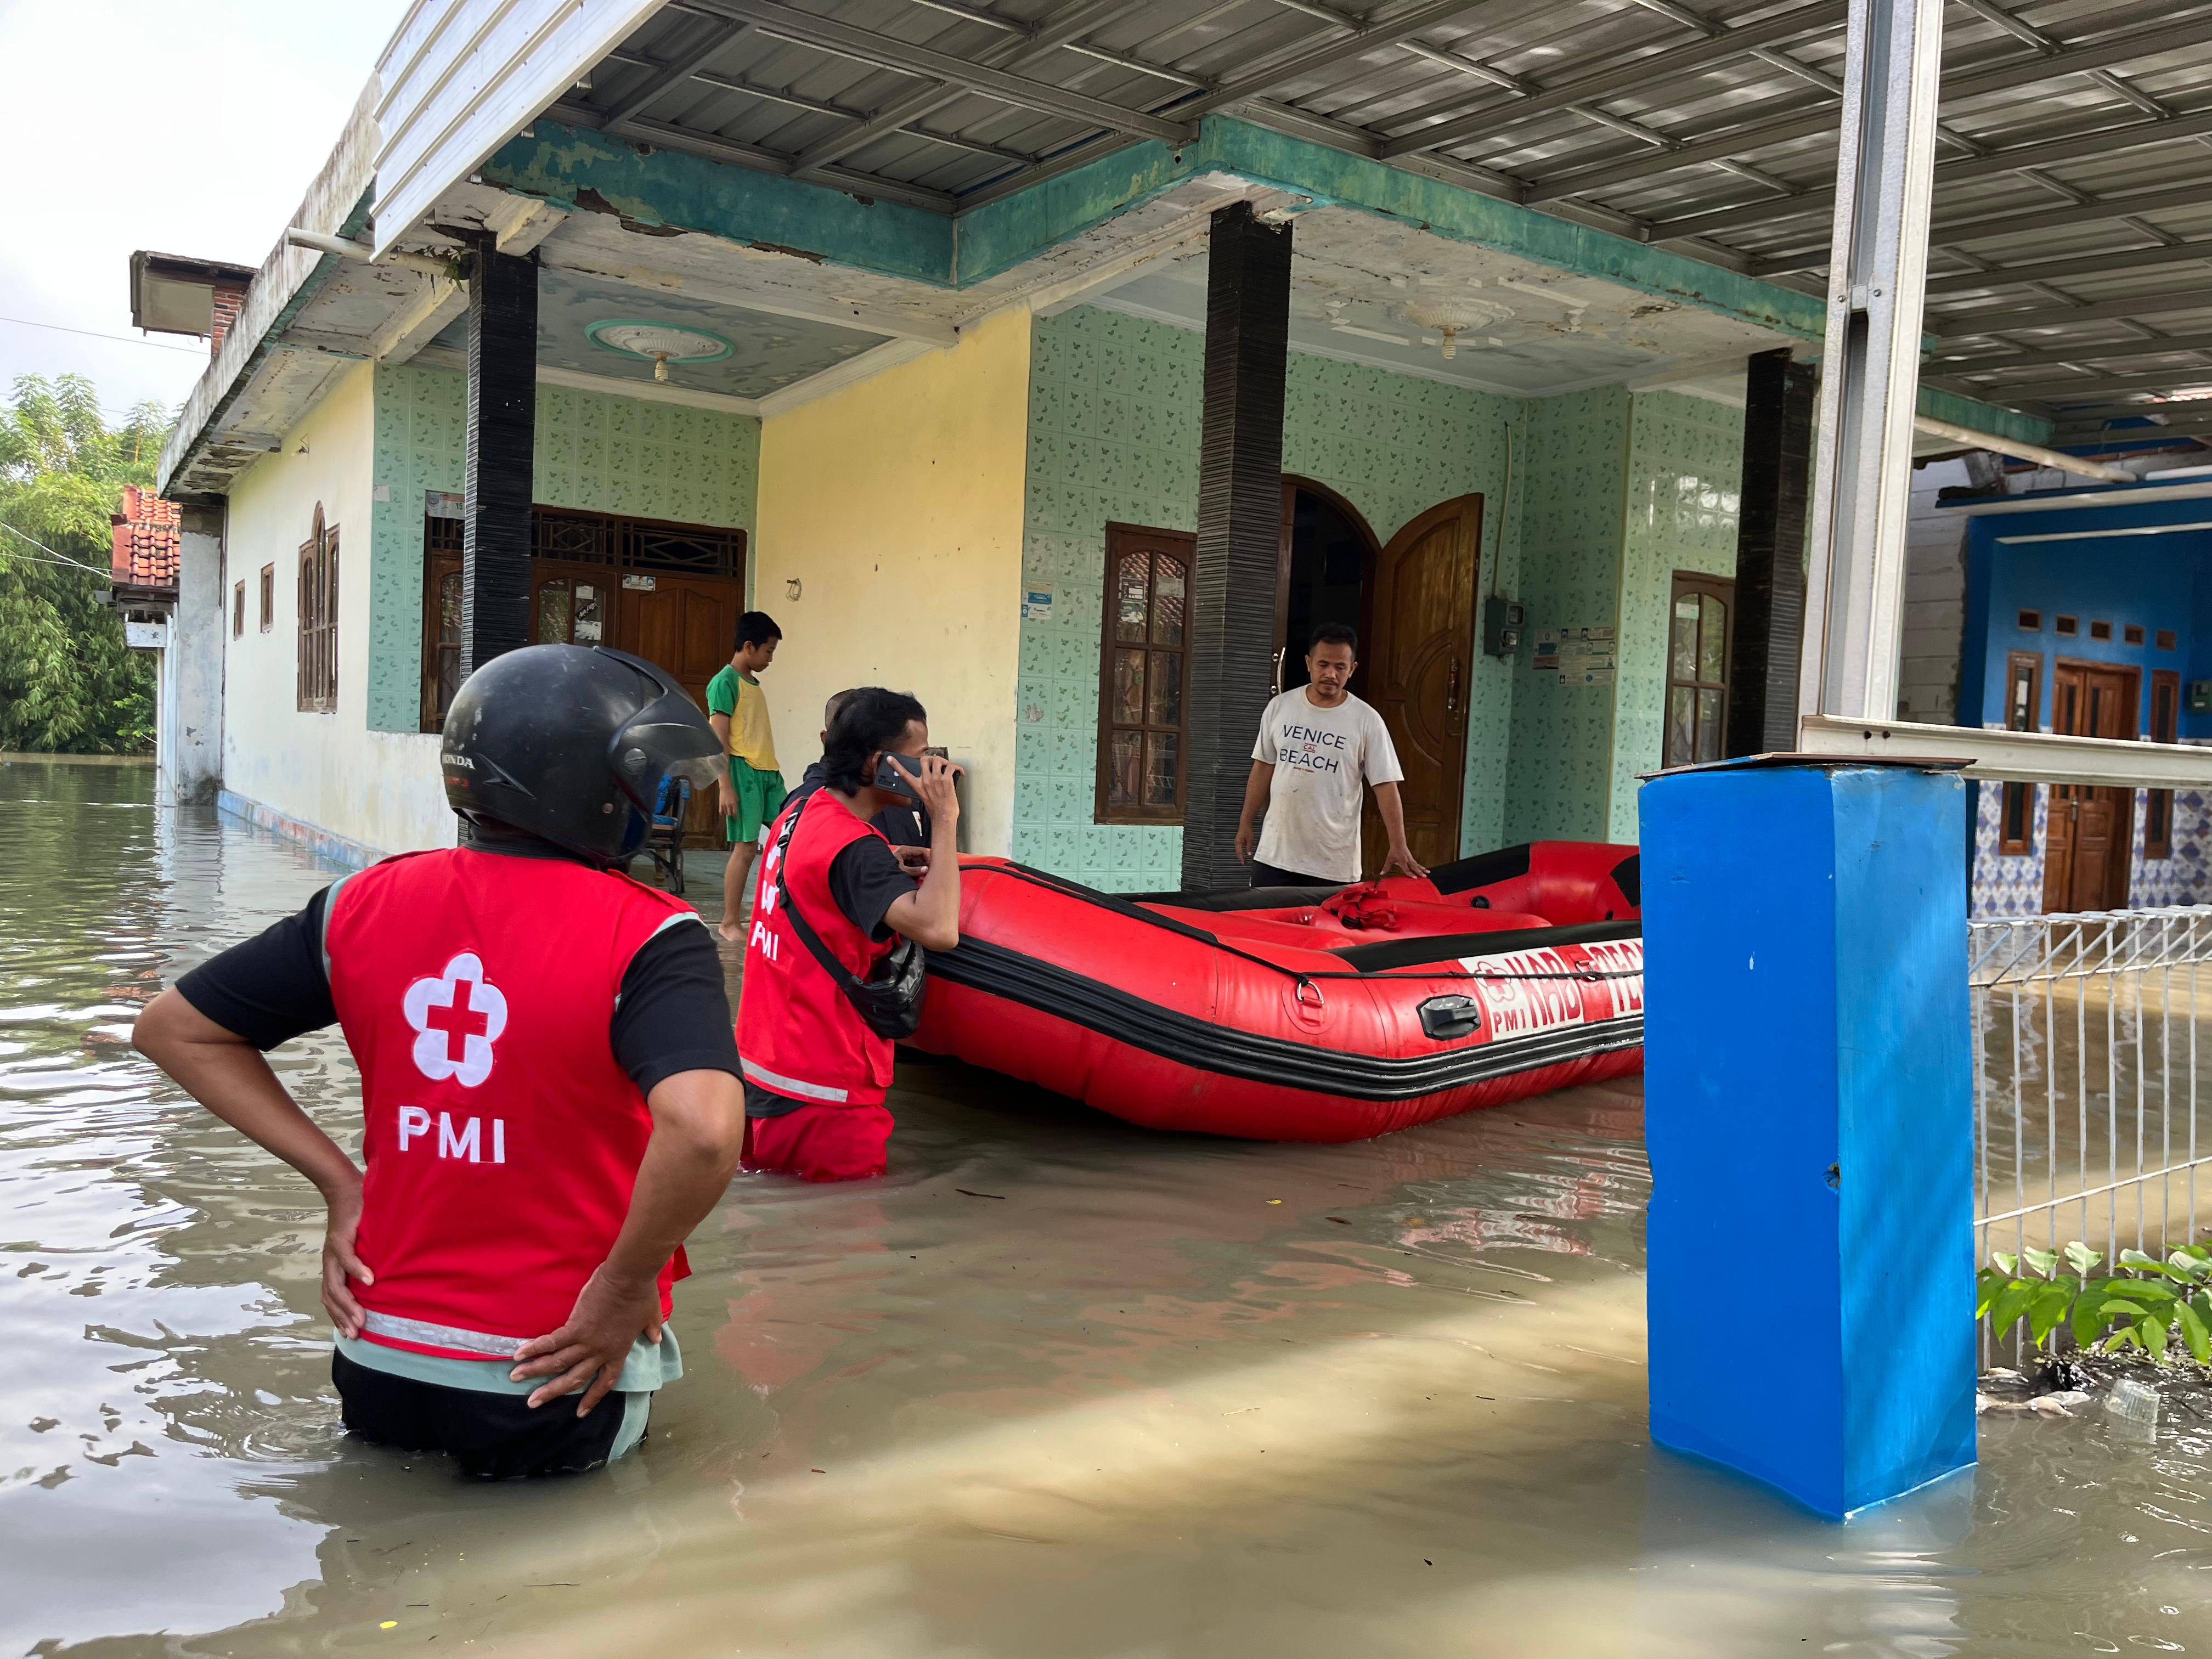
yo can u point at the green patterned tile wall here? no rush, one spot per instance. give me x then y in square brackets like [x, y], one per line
[597, 451]
[1113, 433]
[1558, 775]
[1685, 473]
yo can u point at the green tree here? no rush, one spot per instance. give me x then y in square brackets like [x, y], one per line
[67, 680]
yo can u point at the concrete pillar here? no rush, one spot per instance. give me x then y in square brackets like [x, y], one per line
[502, 427]
[1769, 633]
[188, 745]
[1240, 529]
[1808, 1102]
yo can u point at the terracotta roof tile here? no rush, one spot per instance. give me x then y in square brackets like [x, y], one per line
[147, 537]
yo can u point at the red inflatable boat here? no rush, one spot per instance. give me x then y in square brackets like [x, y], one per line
[1293, 1013]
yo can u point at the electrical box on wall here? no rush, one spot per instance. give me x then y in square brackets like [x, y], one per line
[2200, 696]
[1501, 626]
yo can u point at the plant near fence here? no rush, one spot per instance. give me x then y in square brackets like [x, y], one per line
[2142, 1307]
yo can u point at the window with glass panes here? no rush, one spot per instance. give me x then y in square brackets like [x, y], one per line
[1697, 669]
[1143, 669]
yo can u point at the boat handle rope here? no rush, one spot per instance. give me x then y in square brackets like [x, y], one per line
[1302, 981]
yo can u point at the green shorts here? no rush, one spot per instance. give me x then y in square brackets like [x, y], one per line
[760, 798]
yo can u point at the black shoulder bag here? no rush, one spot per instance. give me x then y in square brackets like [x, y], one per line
[888, 1001]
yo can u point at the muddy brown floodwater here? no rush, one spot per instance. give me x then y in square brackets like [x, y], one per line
[1056, 1387]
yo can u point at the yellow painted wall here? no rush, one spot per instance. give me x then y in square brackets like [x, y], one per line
[897, 503]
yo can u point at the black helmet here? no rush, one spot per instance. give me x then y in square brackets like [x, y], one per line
[570, 743]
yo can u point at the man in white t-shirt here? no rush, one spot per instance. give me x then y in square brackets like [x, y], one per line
[1317, 744]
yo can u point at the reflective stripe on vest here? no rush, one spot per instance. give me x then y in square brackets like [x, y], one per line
[790, 1085]
[502, 1138]
[423, 1333]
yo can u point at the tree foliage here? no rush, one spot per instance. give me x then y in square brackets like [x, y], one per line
[67, 681]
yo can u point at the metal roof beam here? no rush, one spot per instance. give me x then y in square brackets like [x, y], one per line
[908, 57]
[2089, 386]
[2120, 261]
[1979, 325]
[1361, 37]
[1761, 135]
[676, 71]
[819, 107]
[1069, 26]
[1953, 231]
[2049, 153]
[1639, 71]
[2101, 351]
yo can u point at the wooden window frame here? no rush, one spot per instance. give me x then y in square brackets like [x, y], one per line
[2163, 639]
[442, 554]
[2016, 803]
[1724, 589]
[268, 598]
[2070, 626]
[2131, 634]
[316, 659]
[1184, 546]
[2158, 811]
[2030, 621]
[2100, 633]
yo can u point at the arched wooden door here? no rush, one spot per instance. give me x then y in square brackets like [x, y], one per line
[1418, 659]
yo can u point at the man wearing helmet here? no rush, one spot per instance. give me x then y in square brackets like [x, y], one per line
[551, 1094]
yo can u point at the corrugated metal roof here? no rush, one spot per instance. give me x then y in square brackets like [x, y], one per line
[2076, 148]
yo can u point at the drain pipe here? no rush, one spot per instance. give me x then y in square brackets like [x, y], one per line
[316, 242]
[2025, 452]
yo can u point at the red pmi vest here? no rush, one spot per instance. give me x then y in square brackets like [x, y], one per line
[475, 990]
[797, 1036]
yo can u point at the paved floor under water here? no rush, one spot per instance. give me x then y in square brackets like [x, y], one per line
[1056, 1387]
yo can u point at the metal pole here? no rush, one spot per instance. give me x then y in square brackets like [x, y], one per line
[1870, 370]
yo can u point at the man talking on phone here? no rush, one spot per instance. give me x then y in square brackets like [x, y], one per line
[835, 904]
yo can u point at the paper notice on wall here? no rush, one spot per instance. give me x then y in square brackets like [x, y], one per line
[1037, 605]
[444, 504]
[1586, 656]
[1579, 656]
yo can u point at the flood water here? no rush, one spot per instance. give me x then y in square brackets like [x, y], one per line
[1057, 1387]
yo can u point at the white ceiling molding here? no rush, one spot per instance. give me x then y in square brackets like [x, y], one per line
[651, 391]
[554, 254]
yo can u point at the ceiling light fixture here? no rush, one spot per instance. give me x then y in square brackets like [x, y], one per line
[662, 344]
[1451, 317]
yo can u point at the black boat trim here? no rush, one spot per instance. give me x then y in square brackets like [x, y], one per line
[995, 970]
[1386, 954]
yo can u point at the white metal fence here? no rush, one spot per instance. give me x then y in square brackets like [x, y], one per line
[2089, 1054]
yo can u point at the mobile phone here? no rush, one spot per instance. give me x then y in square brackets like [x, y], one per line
[895, 775]
[893, 778]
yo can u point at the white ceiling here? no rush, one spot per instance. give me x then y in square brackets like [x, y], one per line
[1370, 291]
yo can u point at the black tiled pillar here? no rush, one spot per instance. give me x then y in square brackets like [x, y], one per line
[1240, 528]
[502, 447]
[1769, 634]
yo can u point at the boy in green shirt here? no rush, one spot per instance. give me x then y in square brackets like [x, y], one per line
[754, 794]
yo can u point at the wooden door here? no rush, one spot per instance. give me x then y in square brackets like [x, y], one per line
[1421, 606]
[687, 625]
[2089, 832]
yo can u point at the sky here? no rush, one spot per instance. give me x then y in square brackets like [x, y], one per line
[143, 124]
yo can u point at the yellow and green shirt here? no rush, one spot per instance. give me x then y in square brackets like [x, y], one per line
[739, 695]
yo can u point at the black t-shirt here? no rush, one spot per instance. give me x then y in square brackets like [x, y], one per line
[673, 1016]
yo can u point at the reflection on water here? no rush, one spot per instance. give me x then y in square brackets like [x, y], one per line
[1056, 1387]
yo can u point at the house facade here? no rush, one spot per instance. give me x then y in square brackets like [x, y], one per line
[1035, 459]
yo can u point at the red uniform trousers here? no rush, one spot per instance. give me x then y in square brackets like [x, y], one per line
[821, 1143]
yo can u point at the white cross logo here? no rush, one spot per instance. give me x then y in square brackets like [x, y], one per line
[439, 1012]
